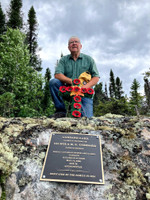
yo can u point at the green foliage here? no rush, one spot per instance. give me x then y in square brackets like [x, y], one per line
[147, 92]
[114, 106]
[117, 103]
[20, 85]
[48, 75]
[99, 95]
[35, 61]
[112, 85]
[135, 96]
[14, 15]
[47, 103]
[106, 93]
[7, 104]
[118, 90]
[2, 184]
[147, 74]
[2, 21]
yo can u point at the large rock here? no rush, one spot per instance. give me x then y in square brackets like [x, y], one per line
[126, 158]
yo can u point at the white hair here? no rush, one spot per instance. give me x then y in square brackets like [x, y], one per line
[73, 37]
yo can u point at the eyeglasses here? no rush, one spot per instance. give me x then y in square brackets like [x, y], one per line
[76, 42]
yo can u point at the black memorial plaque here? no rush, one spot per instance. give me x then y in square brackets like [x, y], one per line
[75, 158]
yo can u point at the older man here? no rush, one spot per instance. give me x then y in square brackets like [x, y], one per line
[69, 68]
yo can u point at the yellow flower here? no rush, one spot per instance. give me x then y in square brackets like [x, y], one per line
[76, 91]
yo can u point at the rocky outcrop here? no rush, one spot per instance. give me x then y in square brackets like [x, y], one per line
[125, 148]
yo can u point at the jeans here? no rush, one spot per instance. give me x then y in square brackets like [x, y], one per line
[87, 103]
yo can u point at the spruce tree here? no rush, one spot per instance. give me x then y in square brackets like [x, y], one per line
[112, 85]
[15, 15]
[47, 75]
[2, 21]
[99, 96]
[147, 91]
[118, 91]
[35, 61]
[47, 99]
[135, 95]
[106, 92]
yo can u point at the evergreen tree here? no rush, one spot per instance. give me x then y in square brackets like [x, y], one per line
[99, 96]
[35, 61]
[112, 85]
[2, 21]
[115, 106]
[20, 85]
[118, 91]
[14, 15]
[47, 102]
[147, 91]
[106, 92]
[147, 88]
[47, 75]
[135, 96]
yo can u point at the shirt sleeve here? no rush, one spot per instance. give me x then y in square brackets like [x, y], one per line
[60, 67]
[93, 69]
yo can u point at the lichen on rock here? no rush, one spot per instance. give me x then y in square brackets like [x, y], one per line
[125, 150]
[7, 160]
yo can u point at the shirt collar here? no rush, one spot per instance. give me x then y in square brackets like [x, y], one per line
[80, 56]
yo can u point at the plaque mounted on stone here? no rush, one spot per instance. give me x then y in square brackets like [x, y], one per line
[74, 158]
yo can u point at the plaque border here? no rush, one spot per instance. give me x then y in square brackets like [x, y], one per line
[73, 181]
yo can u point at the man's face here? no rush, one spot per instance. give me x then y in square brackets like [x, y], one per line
[74, 45]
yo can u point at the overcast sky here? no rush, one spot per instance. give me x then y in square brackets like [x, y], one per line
[116, 33]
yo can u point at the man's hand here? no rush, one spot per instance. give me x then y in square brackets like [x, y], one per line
[91, 83]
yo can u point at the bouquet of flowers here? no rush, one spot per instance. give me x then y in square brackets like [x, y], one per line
[76, 92]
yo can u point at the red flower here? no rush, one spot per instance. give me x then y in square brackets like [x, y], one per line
[76, 89]
[69, 88]
[77, 105]
[76, 81]
[76, 113]
[90, 91]
[77, 98]
[83, 90]
[62, 89]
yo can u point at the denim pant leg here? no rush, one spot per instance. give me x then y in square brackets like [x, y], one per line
[87, 107]
[54, 85]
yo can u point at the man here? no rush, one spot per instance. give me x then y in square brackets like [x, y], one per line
[69, 68]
